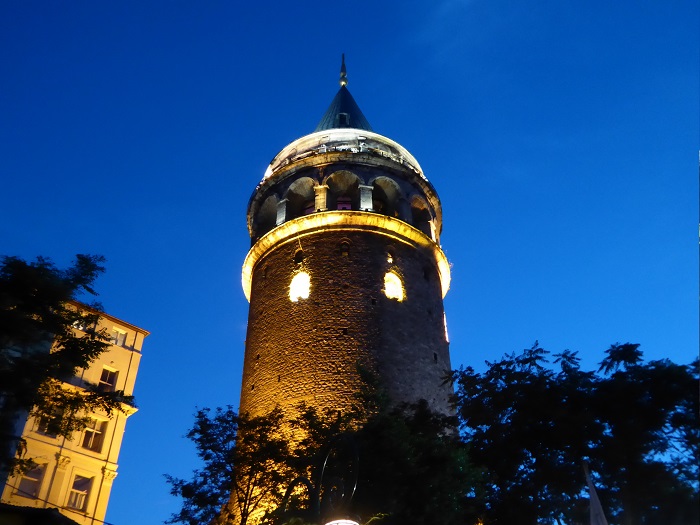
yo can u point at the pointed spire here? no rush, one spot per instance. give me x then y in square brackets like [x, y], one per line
[343, 111]
[343, 73]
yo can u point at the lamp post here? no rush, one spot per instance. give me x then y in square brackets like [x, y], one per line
[330, 493]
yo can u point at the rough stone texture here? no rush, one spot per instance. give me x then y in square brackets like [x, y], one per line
[310, 350]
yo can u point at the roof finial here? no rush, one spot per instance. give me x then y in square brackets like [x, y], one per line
[343, 74]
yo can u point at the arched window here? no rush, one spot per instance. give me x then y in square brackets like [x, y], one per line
[300, 198]
[421, 217]
[385, 195]
[343, 190]
[393, 287]
[300, 287]
[266, 216]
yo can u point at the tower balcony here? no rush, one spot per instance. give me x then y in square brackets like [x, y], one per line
[295, 230]
[344, 169]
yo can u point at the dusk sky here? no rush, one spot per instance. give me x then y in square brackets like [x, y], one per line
[561, 137]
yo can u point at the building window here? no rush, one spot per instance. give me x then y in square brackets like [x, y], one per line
[30, 483]
[344, 203]
[343, 120]
[393, 287]
[78, 496]
[43, 426]
[300, 287]
[118, 337]
[108, 380]
[94, 435]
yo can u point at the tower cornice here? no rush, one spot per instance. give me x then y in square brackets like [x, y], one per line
[298, 228]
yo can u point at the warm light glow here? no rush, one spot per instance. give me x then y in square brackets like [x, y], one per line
[393, 287]
[389, 227]
[300, 287]
[444, 319]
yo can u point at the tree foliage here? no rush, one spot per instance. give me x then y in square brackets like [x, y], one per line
[245, 464]
[526, 426]
[530, 428]
[413, 467]
[40, 349]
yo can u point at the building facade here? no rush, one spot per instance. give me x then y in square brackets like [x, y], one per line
[75, 475]
[345, 273]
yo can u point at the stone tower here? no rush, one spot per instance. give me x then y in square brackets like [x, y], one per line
[345, 271]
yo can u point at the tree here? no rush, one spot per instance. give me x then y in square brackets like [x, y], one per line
[530, 428]
[245, 465]
[40, 349]
[415, 469]
[412, 466]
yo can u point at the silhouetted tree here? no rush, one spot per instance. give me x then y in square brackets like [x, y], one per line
[530, 428]
[245, 464]
[415, 469]
[413, 466]
[40, 348]
[526, 430]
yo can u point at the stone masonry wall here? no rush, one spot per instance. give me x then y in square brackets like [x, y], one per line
[310, 350]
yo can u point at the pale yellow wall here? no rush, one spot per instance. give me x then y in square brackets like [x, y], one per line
[64, 458]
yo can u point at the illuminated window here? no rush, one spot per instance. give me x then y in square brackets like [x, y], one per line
[77, 498]
[118, 337]
[393, 287]
[108, 380]
[444, 320]
[31, 482]
[300, 287]
[94, 435]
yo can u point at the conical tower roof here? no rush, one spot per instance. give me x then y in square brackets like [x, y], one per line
[343, 111]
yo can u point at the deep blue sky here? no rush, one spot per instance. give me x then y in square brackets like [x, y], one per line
[562, 138]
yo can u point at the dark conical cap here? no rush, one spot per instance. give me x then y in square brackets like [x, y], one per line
[343, 111]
